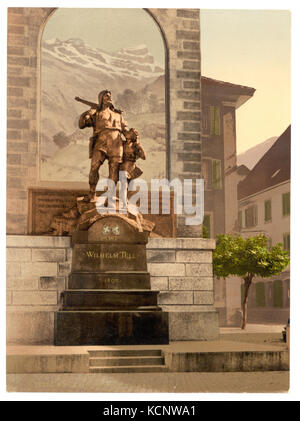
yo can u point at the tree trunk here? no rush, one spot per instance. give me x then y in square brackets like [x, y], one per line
[247, 283]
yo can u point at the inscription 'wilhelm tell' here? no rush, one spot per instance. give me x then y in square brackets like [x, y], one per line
[123, 254]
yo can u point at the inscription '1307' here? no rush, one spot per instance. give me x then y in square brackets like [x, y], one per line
[123, 254]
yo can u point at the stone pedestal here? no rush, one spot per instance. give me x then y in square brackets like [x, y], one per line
[108, 300]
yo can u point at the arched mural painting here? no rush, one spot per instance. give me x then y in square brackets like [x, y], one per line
[121, 50]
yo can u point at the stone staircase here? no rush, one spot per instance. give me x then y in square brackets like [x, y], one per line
[127, 361]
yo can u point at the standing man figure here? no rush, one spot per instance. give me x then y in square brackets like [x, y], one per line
[106, 143]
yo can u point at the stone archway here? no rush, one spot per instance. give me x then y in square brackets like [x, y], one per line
[181, 30]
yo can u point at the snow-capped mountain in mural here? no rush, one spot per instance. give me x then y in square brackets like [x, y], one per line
[71, 68]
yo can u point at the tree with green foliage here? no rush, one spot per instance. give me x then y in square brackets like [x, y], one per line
[247, 258]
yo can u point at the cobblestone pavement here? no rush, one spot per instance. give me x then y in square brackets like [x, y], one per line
[253, 382]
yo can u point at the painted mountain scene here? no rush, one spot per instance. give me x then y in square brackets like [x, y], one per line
[70, 68]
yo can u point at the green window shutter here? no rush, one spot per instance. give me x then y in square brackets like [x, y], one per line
[240, 220]
[216, 174]
[277, 293]
[247, 218]
[217, 121]
[255, 215]
[260, 294]
[205, 124]
[251, 216]
[206, 231]
[212, 120]
[286, 241]
[285, 204]
[268, 210]
[219, 174]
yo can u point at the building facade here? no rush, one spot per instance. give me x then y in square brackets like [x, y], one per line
[264, 208]
[220, 100]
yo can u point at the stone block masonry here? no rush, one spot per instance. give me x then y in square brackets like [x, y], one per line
[181, 269]
[182, 31]
[38, 269]
[23, 48]
[35, 279]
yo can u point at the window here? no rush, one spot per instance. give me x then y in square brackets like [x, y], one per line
[214, 120]
[268, 210]
[212, 174]
[286, 204]
[206, 173]
[206, 231]
[240, 220]
[251, 216]
[205, 120]
[277, 293]
[260, 294]
[286, 241]
[216, 174]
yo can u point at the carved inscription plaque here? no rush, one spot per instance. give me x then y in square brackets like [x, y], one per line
[109, 257]
[45, 204]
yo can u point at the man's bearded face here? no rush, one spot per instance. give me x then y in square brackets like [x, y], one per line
[107, 100]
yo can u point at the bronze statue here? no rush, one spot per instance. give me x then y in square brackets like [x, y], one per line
[122, 153]
[107, 142]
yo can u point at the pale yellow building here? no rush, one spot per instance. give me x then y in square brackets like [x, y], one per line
[264, 208]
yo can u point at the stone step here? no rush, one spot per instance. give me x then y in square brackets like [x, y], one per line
[109, 280]
[130, 369]
[126, 353]
[34, 359]
[125, 361]
[109, 298]
[115, 309]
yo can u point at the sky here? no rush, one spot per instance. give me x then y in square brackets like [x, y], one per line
[251, 48]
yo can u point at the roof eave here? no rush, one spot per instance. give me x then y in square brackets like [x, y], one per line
[241, 100]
